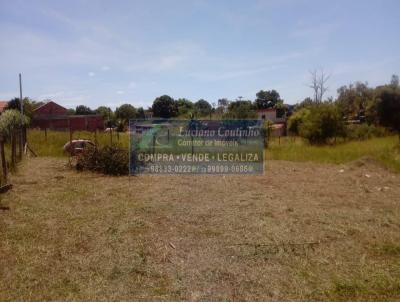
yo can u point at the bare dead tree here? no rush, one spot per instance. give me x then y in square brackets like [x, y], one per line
[318, 84]
[323, 79]
[314, 84]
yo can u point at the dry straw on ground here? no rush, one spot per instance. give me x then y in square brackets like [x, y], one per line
[301, 232]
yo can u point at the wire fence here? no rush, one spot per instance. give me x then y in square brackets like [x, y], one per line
[12, 148]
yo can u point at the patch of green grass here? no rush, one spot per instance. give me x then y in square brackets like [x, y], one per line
[391, 158]
[388, 249]
[65, 287]
[53, 144]
[385, 150]
[377, 287]
[348, 288]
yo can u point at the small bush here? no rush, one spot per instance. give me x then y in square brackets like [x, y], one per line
[106, 160]
[317, 123]
[296, 119]
[365, 131]
[10, 120]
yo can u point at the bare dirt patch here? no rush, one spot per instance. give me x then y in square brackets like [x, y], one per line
[301, 232]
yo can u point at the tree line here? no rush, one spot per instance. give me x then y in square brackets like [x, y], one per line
[359, 111]
[314, 118]
[167, 107]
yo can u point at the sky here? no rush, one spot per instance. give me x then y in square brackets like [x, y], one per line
[114, 52]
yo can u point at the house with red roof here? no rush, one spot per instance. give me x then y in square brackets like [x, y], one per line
[55, 117]
[3, 106]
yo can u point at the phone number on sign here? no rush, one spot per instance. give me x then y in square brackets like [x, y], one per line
[201, 169]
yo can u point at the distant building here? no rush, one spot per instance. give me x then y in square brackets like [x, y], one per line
[50, 109]
[278, 129]
[272, 114]
[55, 117]
[277, 117]
[3, 106]
[148, 115]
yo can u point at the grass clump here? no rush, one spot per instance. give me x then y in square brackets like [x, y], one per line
[377, 287]
[365, 131]
[348, 288]
[388, 249]
[52, 142]
[386, 150]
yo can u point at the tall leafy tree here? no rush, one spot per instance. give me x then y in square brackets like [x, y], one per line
[355, 100]
[83, 110]
[202, 107]
[267, 99]
[29, 106]
[105, 112]
[71, 111]
[184, 106]
[140, 113]
[241, 110]
[108, 115]
[125, 112]
[165, 107]
[388, 107]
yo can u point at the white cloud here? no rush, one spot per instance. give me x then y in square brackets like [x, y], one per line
[105, 68]
[120, 92]
[91, 74]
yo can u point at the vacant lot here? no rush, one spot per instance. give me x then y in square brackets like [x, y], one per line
[301, 232]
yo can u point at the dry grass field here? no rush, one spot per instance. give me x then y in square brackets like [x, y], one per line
[301, 232]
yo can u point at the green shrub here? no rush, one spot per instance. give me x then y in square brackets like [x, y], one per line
[107, 160]
[296, 119]
[365, 131]
[317, 123]
[10, 120]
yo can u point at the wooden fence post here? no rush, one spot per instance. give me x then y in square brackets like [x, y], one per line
[20, 144]
[25, 135]
[3, 159]
[70, 131]
[13, 149]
